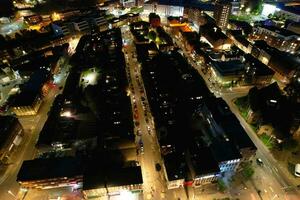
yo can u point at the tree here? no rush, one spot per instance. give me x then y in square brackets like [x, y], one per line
[152, 35]
[221, 185]
[247, 171]
[289, 144]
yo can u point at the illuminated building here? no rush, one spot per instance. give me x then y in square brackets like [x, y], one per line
[222, 13]
[288, 12]
[127, 3]
[281, 39]
[215, 37]
[33, 19]
[282, 63]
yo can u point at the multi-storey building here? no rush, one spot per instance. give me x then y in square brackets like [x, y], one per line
[50, 173]
[281, 39]
[11, 134]
[222, 13]
[112, 182]
[29, 100]
[81, 26]
[127, 3]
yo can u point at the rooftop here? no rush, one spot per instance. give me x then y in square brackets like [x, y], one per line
[203, 161]
[230, 124]
[224, 151]
[31, 89]
[212, 32]
[228, 68]
[280, 31]
[260, 68]
[7, 125]
[111, 177]
[280, 61]
[175, 166]
[40, 169]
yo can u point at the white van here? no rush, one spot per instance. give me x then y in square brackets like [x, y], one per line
[297, 170]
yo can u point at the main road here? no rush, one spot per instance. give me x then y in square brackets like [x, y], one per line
[154, 182]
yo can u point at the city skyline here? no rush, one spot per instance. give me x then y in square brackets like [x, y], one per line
[136, 100]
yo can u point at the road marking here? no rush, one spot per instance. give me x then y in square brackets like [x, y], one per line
[271, 188]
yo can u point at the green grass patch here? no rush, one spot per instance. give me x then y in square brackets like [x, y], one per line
[244, 114]
[254, 127]
[267, 140]
[242, 104]
[136, 9]
[246, 18]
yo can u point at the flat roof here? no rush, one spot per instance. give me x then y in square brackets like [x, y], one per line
[175, 166]
[7, 124]
[111, 177]
[230, 124]
[224, 150]
[124, 176]
[203, 161]
[31, 89]
[227, 68]
[40, 169]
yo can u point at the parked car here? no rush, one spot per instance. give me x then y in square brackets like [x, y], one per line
[259, 161]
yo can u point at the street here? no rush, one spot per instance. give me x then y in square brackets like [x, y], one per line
[154, 182]
[274, 171]
[32, 126]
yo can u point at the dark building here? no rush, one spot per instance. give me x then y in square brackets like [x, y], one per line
[202, 165]
[50, 173]
[176, 169]
[11, 135]
[172, 2]
[29, 100]
[111, 181]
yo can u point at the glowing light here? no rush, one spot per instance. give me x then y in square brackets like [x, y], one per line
[55, 17]
[90, 77]
[124, 194]
[268, 9]
[66, 114]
